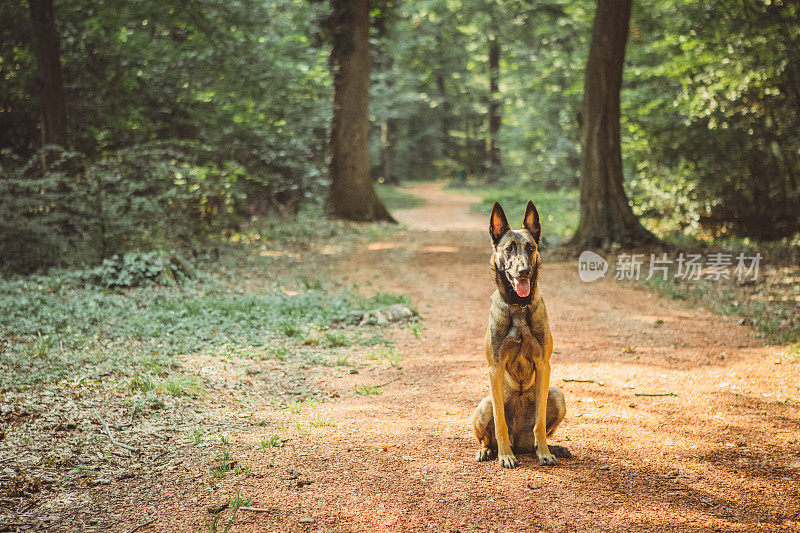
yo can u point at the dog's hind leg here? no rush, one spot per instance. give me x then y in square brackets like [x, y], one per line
[482, 421]
[556, 411]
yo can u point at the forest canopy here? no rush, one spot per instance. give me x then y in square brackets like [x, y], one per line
[184, 119]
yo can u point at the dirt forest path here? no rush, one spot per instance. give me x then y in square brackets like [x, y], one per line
[722, 454]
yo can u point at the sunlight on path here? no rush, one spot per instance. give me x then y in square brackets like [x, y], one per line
[443, 210]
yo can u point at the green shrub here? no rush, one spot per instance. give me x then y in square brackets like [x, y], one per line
[60, 208]
[136, 268]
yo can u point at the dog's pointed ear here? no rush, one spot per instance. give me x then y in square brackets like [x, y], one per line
[531, 222]
[498, 224]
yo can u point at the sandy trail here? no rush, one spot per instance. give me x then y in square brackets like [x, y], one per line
[723, 454]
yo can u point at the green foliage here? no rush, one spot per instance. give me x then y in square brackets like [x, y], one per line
[234, 504]
[73, 210]
[710, 114]
[385, 299]
[334, 339]
[129, 270]
[432, 84]
[136, 268]
[296, 406]
[395, 198]
[319, 421]
[225, 462]
[54, 326]
[711, 121]
[181, 118]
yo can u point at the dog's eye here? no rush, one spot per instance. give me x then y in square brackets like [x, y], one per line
[510, 248]
[528, 247]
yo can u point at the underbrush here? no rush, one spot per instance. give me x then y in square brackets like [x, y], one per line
[395, 198]
[64, 208]
[77, 325]
[772, 305]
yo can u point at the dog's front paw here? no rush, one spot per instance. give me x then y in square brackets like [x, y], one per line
[508, 461]
[547, 460]
[484, 454]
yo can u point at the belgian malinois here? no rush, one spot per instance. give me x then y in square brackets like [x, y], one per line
[522, 409]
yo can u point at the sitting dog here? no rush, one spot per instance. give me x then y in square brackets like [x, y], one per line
[522, 409]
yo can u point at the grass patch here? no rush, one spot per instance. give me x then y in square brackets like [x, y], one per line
[181, 385]
[291, 329]
[234, 504]
[225, 463]
[793, 353]
[366, 390]
[272, 441]
[319, 421]
[279, 352]
[64, 325]
[775, 319]
[335, 339]
[197, 436]
[395, 198]
[52, 330]
[297, 406]
[385, 353]
[375, 338]
[309, 225]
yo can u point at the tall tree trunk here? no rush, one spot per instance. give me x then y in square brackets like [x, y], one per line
[492, 148]
[389, 132]
[351, 194]
[444, 123]
[48, 72]
[446, 108]
[388, 140]
[606, 215]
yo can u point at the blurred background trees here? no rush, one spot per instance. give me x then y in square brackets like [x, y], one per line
[184, 119]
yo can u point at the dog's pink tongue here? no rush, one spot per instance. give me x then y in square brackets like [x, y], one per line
[522, 286]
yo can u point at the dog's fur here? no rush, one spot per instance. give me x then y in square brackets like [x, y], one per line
[522, 409]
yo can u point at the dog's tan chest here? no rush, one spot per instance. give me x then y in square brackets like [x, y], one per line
[520, 360]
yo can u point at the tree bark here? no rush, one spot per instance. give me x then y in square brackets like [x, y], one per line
[351, 195]
[388, 140]
[446, 107]
[606, 215]
[48, 72]
[492, 148]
